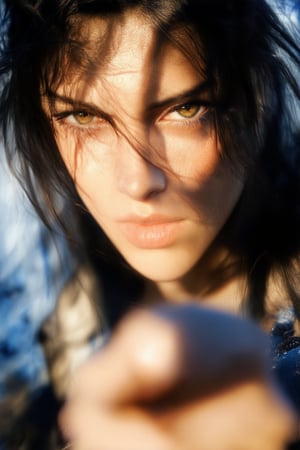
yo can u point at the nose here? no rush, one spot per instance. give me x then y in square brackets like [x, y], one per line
[137, 177]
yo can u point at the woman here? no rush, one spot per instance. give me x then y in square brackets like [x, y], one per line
[176, 122]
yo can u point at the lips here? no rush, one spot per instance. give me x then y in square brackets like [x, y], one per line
[152, 233]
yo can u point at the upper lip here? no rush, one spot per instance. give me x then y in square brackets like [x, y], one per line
[153, 219]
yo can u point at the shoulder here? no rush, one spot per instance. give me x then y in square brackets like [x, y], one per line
[285, 346]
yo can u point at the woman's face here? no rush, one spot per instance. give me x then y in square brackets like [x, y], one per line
[138, 142]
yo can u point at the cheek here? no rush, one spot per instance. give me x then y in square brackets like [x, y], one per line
[69, 150]
[208, 184]
[84, 160]
[95, 184]
[193, 159]
[88, 173]
[216, 198]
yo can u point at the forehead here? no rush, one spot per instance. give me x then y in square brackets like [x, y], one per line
[131, 52]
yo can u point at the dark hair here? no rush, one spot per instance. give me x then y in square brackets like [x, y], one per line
[251, 63]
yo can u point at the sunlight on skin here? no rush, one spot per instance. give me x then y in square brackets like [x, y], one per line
[161, 214]
[127, 406]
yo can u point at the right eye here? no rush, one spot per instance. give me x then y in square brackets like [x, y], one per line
[82, 117]
[83, 122]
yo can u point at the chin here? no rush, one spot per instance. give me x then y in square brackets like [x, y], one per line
[161, 270]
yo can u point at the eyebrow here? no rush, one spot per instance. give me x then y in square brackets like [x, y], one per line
[160, 104]
[182, 96]
[55, 97]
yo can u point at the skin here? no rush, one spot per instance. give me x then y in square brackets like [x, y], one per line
[147, 164]
[157, 385]
[162, 174]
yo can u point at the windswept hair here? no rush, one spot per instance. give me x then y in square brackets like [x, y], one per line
[251, 63]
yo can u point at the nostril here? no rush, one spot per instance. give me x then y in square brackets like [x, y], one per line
[140, 179]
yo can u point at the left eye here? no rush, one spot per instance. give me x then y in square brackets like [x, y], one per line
[188, 111]
[83, 117]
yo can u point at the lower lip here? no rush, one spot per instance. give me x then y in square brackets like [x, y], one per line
[151, 236]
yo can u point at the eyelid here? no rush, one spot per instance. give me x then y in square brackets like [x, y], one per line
[75, 111]
[192, 102]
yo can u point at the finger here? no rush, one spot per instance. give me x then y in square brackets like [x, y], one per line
[187, 348]
[250, 416]
[154, 351]
[142, 360]
[247, 417]
[113, 428]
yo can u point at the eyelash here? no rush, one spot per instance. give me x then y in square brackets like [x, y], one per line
[60, 117]
[200, 115]
[65, 117]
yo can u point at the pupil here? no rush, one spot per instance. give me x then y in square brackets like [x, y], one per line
[83, 117]
[188, 110]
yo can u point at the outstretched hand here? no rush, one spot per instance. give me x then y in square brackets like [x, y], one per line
[179, 378]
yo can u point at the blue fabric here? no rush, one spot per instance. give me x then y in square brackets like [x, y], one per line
[34, 266]
[286, 356]
[288, 9]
